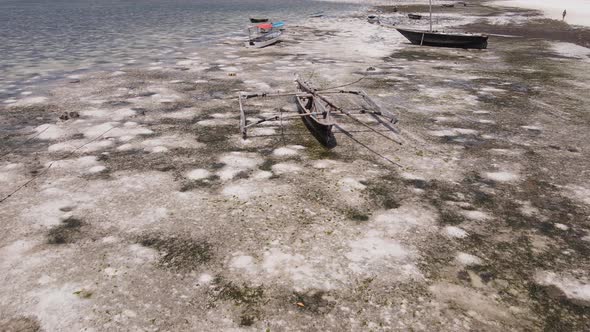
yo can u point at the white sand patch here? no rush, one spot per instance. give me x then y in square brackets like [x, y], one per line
[453, 132]
[236, 162]
[283, 168]
[491, 89]
[108, 115]
[244, 263]
[72, 145]
[187, 113]
[380, 247]
[261, 131]
[80, 164]
[126, 147]
[10, 173]
[528, 209]
[349, 184]
[262, 175]
[411, 177]
[470, 300]
[257, 85]
[578, 10]
[142, 255]
[455, 232]
[223, 115]
[198, 174]
[466, 259]
[47, 213]
[216, 122]
[295, 268]
[484, 121]
[164, 143]
[325, 164]
[561, 226]
[49, 132]
[373, 249]
[156, 149]
[476, 215]
[286, 151]
[532, 128]
[579, 193]
[571, 50]
[15, 253]
[59, 309]
[97, 169]
[432, 167]
[243, 190]
[205, 278]
[502, 176]
[29, 101]
[570, 286]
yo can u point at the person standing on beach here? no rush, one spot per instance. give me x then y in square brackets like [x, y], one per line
[563, 15]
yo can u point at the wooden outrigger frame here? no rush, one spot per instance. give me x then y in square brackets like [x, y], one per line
[329, 109]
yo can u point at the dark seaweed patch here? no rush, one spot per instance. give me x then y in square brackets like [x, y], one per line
[248, 298]
[179, 253]
[69, 231]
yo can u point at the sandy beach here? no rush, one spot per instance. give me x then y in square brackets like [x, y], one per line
[130, 201]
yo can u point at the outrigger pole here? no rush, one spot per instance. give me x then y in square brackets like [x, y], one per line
[310, 92]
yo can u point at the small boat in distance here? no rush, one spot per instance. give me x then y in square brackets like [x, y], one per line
[263, 35]
[373, 19]
[318, 14]
[442, 39]
[414, 17]
[258, 20]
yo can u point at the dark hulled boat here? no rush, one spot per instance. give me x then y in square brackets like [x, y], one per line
[317, 120]
[258, 20]
[414, 17]
[444, 39]
[441, 39]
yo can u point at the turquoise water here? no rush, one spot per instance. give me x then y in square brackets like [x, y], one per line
[43, 38]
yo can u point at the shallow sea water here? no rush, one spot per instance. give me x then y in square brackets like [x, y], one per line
[43, 39]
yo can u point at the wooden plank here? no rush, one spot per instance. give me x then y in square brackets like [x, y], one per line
[278, 117]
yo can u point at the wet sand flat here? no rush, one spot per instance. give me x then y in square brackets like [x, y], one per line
[148, 211]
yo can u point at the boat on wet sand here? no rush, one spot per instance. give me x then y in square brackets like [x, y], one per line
[318, 110]
[317, 119]
[414, 17]
[444, 39]
[258, 20]
[373, 19]
[434, 38]
[263, 35]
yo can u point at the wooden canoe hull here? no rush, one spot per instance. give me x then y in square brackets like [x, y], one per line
[320, 130]
[439, 39]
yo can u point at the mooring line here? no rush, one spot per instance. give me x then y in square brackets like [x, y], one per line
[51, 164]
[23, 143]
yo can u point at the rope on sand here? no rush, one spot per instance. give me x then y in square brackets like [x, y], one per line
[51, 164]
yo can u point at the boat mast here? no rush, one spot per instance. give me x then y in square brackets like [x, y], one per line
[430, 15]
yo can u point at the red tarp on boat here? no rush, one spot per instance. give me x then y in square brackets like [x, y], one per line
[264, 26]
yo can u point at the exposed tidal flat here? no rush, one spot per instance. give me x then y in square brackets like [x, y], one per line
[148, 211]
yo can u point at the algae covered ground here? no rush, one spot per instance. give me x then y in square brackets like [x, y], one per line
[148, 211]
